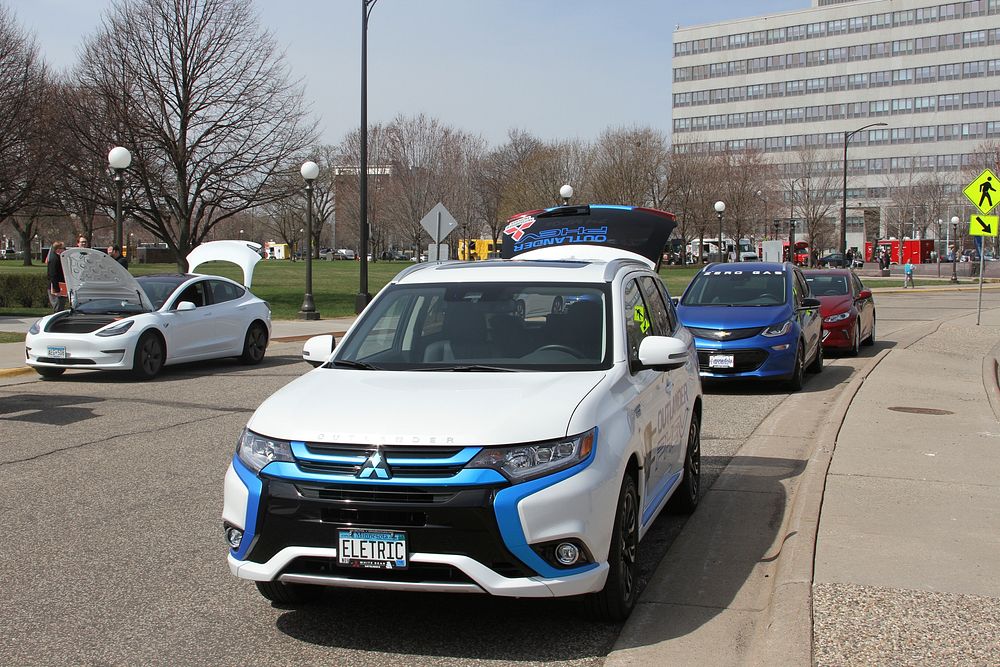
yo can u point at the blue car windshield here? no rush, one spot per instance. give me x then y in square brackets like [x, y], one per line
[736, 287]
[827, 285]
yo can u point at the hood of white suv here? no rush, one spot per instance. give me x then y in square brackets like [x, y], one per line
[424, 407]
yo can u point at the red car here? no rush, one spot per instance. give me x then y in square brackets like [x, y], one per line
[848, 309]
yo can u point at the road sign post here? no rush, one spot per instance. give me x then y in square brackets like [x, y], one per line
[981, 193]
[438, 223]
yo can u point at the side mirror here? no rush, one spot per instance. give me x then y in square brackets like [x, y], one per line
[865, 294]
[676, 300]
[809, 303]
[185, 305]
[318, 349]
[662, 353]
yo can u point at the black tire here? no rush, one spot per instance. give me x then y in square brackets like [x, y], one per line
[148, 357]
[817, 363]
[282, 593]
[687, 495]
[254, 344]
[871, 337]
[794, 382]
[856, 340]
[48, 372]
[615, 602]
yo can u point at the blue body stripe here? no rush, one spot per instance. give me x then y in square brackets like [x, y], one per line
[464, 477]
[254, 486]
[667, 485]
[511, 530]
[302, 453]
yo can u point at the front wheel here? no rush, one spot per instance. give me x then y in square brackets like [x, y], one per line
[149, 356]
[615, 602]
[856, 340]
[817, 363]
[685, 498]
[48, 372]
[871, 337]
[794, 382]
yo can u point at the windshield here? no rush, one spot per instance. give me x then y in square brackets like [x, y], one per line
[736, 288]
[828, 285]
[482, 327]
[159, 288]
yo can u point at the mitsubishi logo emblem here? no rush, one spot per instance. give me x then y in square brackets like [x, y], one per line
[375, 466]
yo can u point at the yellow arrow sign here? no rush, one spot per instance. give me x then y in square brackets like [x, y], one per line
[984, 225]
[984, 192]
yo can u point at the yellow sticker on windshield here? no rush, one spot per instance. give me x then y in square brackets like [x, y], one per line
[639, 315]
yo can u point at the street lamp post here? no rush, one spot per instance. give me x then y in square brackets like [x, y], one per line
[843, 207]
[119, 159]
[720, 208]
[363, 297]
[937, 244]
[954, 257]
[791, 240]
[566, 192]
[309, 171]
[777, 229]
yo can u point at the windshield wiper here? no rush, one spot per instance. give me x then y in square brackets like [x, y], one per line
[471, 368]
[359, 365]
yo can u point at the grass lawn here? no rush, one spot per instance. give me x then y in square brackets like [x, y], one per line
[8, 337]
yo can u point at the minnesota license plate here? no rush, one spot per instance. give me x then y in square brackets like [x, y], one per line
[720, 361]
[377, 549]
[57, 352]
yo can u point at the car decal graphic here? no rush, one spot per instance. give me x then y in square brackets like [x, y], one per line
[639, 315]
[515, 228]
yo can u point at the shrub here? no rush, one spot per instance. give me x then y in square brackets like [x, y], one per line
[24, 290]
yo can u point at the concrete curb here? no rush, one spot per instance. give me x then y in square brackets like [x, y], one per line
[991, 379]
[13, 372]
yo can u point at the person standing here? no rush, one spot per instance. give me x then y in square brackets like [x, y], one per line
[82, 242]
[57, 281]
[908, 274]
[115, 251]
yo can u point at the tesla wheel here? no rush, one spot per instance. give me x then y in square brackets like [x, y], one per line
[817, 363]
[795, 380]
[47, 372]
[871, 337]
[283, 593]
[685, 499]
[856, 340]
[615, 602]
[148, 358]
[254, 344]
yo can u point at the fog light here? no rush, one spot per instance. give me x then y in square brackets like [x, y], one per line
[234, 536]
[567, 553]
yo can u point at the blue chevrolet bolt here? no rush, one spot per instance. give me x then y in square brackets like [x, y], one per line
[753, 320]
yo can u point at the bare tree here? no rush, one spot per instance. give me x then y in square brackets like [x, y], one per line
[813, 189]
[739, 176]
[201, 96]
[630, 167]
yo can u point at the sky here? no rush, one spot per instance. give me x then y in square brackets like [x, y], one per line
[559, 69]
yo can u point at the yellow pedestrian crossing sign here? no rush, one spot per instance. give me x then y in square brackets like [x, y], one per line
[984, 225]
[984, 192]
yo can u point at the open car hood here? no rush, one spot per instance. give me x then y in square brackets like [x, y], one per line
[244, 254]
[92, 275]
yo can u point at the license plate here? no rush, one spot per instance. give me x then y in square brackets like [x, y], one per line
[57, 352]
[377, 549]
[720, 361]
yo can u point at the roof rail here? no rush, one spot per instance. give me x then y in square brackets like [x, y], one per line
[616, 264]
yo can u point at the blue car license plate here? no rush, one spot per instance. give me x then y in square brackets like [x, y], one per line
[720, 361]
[377, 549]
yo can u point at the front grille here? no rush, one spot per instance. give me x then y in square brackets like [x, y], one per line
[424, 472]
[374, 517]
[724, 334]
[390, 451]
[414, 573]
[744, 361]
[363, 493]
[67, 361]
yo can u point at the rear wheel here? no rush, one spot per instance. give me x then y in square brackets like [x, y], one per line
[685, 499]
[794, 382]
[47, 372]
[254, 344]
[282, 593]
[149, 356]
[616, 600]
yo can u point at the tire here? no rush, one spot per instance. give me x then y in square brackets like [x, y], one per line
[47, 372]
[871, 337]
[254, 344]
[794, 382]
[615, 602]
[148, 357]
[856, 340]
[817, 363]
[687, 495]
[282, 593]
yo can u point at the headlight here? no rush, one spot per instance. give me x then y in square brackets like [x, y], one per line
[34, 328]
[837, 318]
[116, 330]
[256, 451]
[523, 462]
[777, 329]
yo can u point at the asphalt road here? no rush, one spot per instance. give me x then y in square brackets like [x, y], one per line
[112, 553]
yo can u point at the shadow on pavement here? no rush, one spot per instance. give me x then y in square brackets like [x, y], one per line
[53, 409]
[181, 371]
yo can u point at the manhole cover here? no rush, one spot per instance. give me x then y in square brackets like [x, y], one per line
[921, 411]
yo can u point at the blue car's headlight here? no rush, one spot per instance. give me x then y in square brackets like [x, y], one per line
[837, 318]
[520, 463]
[256, 451]
[776, 330]
[116, 330]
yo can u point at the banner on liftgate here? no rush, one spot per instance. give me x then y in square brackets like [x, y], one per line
[643, 231]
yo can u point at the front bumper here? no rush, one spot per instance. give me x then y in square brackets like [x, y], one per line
[839, 335]
[756, 357]
[81, 351]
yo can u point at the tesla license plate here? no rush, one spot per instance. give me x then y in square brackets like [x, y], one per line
[720, 361]
[57, 352]
[378, 549]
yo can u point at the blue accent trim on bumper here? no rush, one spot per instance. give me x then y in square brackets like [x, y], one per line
[464, 477]
[511, 530]
[254, 486]
[301, 452]
[667, 485]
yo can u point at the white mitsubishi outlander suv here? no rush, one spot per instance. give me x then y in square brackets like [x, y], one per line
[510, 427]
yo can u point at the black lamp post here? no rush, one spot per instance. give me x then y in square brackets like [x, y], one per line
[791, 240]
[309, 171]
[720, 208]
[954, 257]
[843, 207]
[119, 159]
[777, 229]
[363, 297]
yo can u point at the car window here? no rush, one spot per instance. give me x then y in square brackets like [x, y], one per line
[638, 320]
[671, 311]
[800, 287]
[223, 291]
[159, 288]
[657, 308]
[195, 293]
[737, 287]
[828, 285]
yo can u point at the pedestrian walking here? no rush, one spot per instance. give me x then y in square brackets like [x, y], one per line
[908, 274]
[57, 281]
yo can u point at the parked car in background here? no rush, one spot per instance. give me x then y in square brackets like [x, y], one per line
[341, 254]
[847, 307]
[836, 260]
